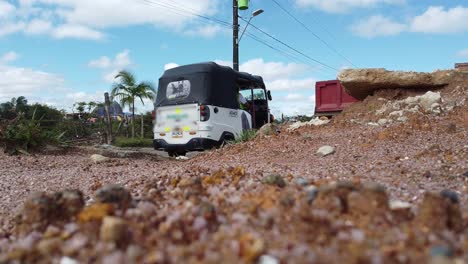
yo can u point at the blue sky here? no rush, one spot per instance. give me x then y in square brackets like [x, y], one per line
[62, 51]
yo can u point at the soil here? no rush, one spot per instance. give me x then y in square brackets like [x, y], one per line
[217, 207]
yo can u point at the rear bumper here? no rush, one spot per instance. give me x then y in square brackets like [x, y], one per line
[195, 144]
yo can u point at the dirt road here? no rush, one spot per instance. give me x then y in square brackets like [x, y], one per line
[230, 204]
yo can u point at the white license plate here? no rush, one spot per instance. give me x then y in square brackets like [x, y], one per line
[177, 134]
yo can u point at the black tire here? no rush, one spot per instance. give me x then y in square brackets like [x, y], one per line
[226, 139]
[174, 154]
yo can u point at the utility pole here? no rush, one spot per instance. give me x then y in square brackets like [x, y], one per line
[235, 35]
[109, 121]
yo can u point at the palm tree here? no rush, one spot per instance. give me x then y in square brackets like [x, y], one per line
[128, 90]
[91, 106]
[81, 107]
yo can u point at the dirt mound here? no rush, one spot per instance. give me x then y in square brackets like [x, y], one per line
[361, 83]
[398, 102]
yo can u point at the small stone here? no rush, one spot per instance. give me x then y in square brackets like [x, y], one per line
[436, 108]
[441, 251]
[134, 253]
[428, 99]
[268, 130]
[274, 179]
[67, 260]
[402, 119]
[114, 194]
[95, 212]
[383, 121]
[451, 195]
[96, 158]
[396, 113]
[70, 202]
[39, 210]
[399, 205]
[49, 246]
[114, 230]
[267, 259]
[311, 193]
[325, 151]
[74, 244]
[439, 212]
[114, 258]
[301, 181]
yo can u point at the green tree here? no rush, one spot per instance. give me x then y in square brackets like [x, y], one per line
[127, 91]
[91, 106]
[21, 104]
[81, 107]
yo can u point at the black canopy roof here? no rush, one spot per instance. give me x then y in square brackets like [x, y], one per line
[210, 83]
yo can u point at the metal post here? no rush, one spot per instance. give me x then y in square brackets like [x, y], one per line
[109, 123]
[235, 35]
[142, 127]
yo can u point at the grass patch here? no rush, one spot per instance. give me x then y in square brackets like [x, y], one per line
[123, 142]
[246, 135]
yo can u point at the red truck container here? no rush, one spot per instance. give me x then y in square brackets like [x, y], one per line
[331, 98]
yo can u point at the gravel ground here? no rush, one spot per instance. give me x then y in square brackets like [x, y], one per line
[243, 218]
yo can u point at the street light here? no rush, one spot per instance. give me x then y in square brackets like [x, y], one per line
[254, 14]
[235, 30]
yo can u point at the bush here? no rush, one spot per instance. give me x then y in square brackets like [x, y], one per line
[123, 142]
[22, 134]
[245, 136]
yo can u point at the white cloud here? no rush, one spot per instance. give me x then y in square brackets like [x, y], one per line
[87, 19]
[207, 31]
[101, 63]
[438, 20]
[38, 26]
[8, 57]
[109, 77]
[16, 81]
[378, 25]
[76, 31]
[6, 9]
[112, 66]
[269, 70]
[98, 96]
[293, 104]
[170, 65]
[294, 97]
[463, 53]
[340, 6]
[435, 20]
[291, 84]
[10, 28]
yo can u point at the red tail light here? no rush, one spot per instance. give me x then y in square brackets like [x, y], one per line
[204, 113]
[153, 114]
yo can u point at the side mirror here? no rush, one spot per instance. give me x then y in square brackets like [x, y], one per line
[269, 95]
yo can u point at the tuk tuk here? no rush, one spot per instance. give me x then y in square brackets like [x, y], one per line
[197, 107]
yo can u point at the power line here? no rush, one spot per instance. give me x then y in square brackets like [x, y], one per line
[315, 35]
[282, 52]
[290, 47]
[184, 11]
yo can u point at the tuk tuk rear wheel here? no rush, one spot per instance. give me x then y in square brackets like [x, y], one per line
[174, 154]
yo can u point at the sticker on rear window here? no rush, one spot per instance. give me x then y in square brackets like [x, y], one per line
[178, 90]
